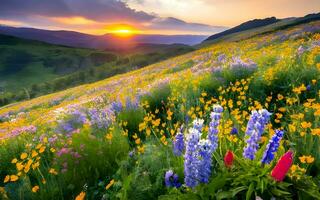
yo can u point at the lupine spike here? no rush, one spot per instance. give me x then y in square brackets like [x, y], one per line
[272, 147]
[255, 127]
[191, 158]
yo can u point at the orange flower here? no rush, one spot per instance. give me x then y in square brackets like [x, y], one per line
[14, 178]
[306, 124]
[81, 196]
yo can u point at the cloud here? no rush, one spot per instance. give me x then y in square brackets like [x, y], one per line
[93, 9]
[93, 14]
[177, 24]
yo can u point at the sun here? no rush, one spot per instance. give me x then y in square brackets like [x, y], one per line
[122, 30]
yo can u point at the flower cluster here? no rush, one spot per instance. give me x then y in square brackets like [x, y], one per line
[178, 144]
[73, 120]
[198, 155]
[213, 126]
[191, 158]
[272, 147]
[21, 130]
[100, 118]
[238, 64]
[255, 128]
[205, 160]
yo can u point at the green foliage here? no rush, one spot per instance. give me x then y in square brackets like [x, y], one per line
[142, 176]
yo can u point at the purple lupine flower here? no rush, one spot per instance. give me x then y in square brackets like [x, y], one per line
[21, 130]
[117, 106]
[255, 128]
[191, 158]
[265, 116]
[238, 64]
[178, 144]
[308, 87]
[272, 147]
[131, 153]
[221, 58]
[72, 121]
[252, 145]
[171, 179]
[213, 126]
[205, 162]
[131, 104]
[100, 118]
[198, 124]
[234, 131]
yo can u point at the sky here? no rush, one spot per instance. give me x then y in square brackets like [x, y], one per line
[200, 17]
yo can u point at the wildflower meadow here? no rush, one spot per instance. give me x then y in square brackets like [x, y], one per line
[231, 120]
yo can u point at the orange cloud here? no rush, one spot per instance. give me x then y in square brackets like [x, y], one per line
[10, 22]
[75, 20]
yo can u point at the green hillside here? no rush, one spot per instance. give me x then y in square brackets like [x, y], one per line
[25, 62]
[277, 25]
[31, 68]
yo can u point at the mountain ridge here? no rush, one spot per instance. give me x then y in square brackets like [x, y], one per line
[271, 22]
[83, 40]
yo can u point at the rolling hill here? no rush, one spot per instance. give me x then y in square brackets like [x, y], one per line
[106, 41]
[31, 68]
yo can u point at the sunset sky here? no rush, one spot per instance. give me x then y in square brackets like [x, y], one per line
[147, 16]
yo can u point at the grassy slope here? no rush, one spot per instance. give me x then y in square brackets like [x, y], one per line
[283, 24]
[44, 63]
[35, 71]
[118, 86]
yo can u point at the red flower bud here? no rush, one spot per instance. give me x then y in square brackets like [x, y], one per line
[282, 167]
[228, 159]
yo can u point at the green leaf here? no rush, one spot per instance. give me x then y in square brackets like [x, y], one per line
[230, 194]
[313, 193]
[249, 192]
[278, 192]
[216, 183]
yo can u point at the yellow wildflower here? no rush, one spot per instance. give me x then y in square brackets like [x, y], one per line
[14, 178]
[110, 184]
[42, 149]
[6, 179]
[53, 171]
[109, 136]
[35, 189]
[306, 124]
[23, 156]
[306, 159]
[315, 131]
[34, 153]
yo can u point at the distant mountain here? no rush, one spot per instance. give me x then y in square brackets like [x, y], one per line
[245, 26]
[260, 26]
[107, 41]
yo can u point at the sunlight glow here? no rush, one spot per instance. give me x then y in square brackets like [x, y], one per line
[122, 30]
